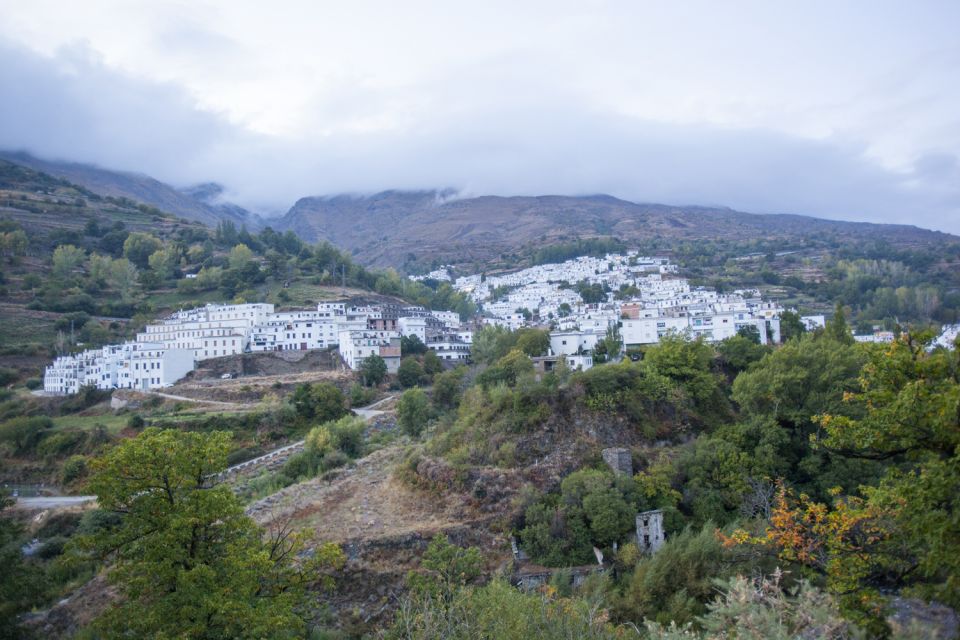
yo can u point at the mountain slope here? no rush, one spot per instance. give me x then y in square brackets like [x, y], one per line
[388, 227]
[199, 203]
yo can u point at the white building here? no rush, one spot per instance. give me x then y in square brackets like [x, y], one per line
[132, 365]
[413, 326]
[573, 342]
[450, 347]
[356, 346]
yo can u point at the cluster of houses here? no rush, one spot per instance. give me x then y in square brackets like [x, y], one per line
[166, 351]
[645, 301]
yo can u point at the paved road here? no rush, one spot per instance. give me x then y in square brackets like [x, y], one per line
[51, 502]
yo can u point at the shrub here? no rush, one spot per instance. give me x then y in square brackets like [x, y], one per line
[8, 376]
[321, 402]
[73, 469]
[34, 383]
[97, 521]
[62, 524]
[410, 372]
[23, 433]
[61, 443]
[51, 548]
[678, 581]
[346, 434]
[136, 421]
[361, 396]
[413, 411]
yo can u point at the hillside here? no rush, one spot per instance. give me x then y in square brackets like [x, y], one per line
[384, 229]
[200, 203]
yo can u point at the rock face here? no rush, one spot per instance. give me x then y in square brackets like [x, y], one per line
[915, 618]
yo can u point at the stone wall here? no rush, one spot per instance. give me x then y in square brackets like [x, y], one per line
[618, 459]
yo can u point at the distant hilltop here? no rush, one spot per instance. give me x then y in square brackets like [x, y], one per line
[395, 228]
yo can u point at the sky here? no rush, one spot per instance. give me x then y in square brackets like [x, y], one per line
[839, 109]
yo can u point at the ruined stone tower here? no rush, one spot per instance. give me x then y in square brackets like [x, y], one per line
[650, 531]
[619, 460]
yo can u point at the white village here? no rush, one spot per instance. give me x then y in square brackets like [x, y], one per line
[642, 300]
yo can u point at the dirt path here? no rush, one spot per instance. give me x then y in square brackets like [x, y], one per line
[228, 405]
[369, 412]
[363, 501]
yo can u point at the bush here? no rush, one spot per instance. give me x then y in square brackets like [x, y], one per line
[361, 396]
[321, 402]
[8, 376]
[51, 548]
[447, 388]
[136, 421]
[73, 469]
[98, 521]
[34, 383]
[61, 443]
[346, 435]
[413, 411]
[410, 372]
[678, 581]
[24, 433]
[63, 524]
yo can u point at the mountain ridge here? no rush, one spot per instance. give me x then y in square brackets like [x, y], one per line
[388, 226]
[199, 203]
[401, 227]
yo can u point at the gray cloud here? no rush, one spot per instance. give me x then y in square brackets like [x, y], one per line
[74, 107]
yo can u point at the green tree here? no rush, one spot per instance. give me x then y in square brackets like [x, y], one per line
[739, 352]
[837, 327]
[491, 343]
[413, 411]
[185, 558]
[373, 370]
[320, 402]
[66, 260]
[138, 247]
[410, 373]
[432, 364]
[14, 245]
[123, 277]
[445, 567]
[23, 433]
[905, 411]
[240, 256]
[447, 388]
[412, 345]
[19, 586]
[533, 342]
[791, 326]
[164, 262]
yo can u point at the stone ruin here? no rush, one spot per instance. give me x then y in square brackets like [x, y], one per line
[620, 460]
[650, 531]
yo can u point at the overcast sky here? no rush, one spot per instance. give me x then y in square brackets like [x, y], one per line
[838, 109]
